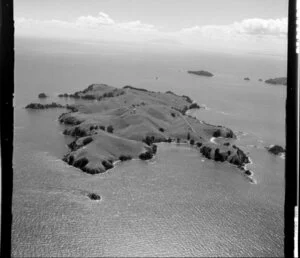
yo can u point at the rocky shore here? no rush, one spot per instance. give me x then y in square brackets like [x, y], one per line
[124, 124]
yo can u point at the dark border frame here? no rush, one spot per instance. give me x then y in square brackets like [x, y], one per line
[292, 132]
[6, 120]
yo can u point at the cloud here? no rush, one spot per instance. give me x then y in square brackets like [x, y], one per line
[102, 19]
[137, 25]
[277, 27]
[255, 26]
[99, 22]
[249, 33]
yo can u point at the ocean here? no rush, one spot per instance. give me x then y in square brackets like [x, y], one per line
[179, 204]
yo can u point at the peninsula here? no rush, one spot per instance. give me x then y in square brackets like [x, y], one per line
[126, 123]
[201, 73]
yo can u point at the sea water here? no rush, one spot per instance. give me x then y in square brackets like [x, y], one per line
[179, 203]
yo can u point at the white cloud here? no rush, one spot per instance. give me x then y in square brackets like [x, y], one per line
[137, 25]
[94, 22]
[277, 27]
[255, 26]
[248, 33]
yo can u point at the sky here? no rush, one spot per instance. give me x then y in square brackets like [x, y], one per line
[241, 25]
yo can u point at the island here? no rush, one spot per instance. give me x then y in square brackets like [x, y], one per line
[276, 149]
[247, 79]
[127, 123]
[201, 73]
[42, 96]
[277, 81]
[94, 197]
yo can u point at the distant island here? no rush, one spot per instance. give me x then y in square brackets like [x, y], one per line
[201, 73]
[276, 149]
[247, 79]
[279, 80]
[42, 96]
[126, 123]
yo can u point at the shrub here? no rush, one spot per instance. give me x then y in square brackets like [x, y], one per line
[154, 148]
[217, 133]
[89, 97]
[161, 129]
[81, 162]
[173, 114]
[178, 140]
[78, 132]
[133, 88]
[108, 95]
[94, 196]
[149, 140]
[87, 140]
[219, 156]
[199, 144]
[146, 155]
[248, 173]
[110, 129]
[107, 164]
[71, 160]
[229, 134]
[192, 141]
[188, 136]
[102, 127]
[125, 157]
[194, 105]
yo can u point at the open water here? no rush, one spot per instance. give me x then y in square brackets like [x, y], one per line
[179, 204]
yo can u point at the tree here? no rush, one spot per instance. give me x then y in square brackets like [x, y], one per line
[110, 129]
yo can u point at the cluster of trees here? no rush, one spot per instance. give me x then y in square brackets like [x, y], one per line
[109, 129]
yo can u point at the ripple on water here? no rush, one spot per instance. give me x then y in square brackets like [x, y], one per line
[177, 206]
